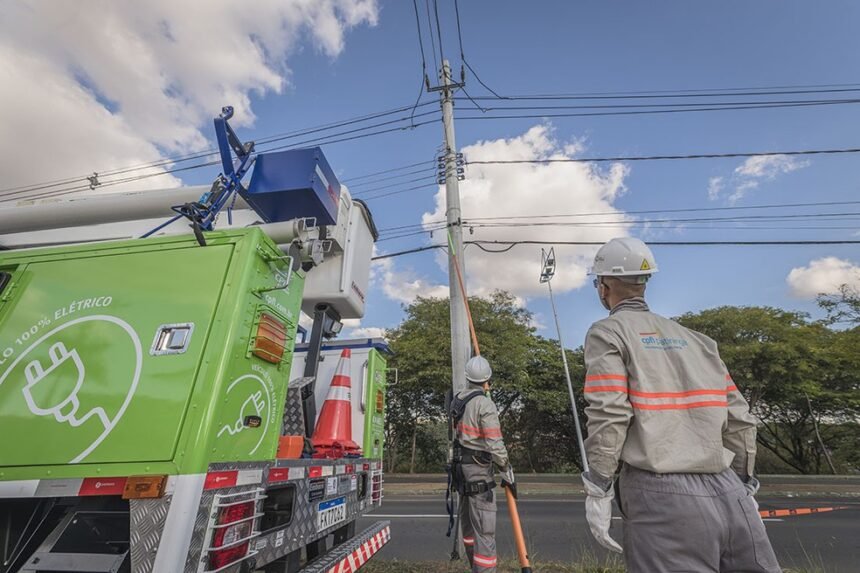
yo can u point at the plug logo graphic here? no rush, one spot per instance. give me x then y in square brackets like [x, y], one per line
[251, 412]
[77, 381]
[54, 390]
[254, 405]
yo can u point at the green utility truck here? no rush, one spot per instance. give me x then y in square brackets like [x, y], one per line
[155, 415]
[147, 412]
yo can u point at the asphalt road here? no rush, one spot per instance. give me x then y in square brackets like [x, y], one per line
[556, 530]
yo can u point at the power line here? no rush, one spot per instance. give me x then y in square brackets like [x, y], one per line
[386, 171]
[438, 30]
[657, 111]
[670, 95]
[736, 219]
[510, 244]
[432, 39]
[392, 177]
[682, 210]
[398, 192]
[660, 105]
[213, 152]
[423, 178]
[327, 140]
[665, 157]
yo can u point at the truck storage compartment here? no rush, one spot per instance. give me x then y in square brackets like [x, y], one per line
[101, 352]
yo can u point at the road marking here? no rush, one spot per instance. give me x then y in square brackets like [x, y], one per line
[773, 519]
[413, 516]
[798, 511]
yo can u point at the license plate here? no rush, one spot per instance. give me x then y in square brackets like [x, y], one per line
[331, 513]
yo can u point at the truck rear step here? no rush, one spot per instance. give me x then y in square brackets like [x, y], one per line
[352, 555]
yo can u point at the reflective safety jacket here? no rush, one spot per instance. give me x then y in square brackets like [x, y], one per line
[660, 399]
[479, 428]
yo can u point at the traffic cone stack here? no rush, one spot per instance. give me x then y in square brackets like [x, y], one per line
[333, 433]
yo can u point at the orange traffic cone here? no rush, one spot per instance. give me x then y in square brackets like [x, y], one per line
[333, 433]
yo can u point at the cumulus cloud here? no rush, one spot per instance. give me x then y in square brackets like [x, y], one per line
[749, 175]
[492, 191]
[101, 85]
[823, 276]
[404, 285]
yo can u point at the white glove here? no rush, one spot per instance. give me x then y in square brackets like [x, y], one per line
[598, 513]
[752, 485]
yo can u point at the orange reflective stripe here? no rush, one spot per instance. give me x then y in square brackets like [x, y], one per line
[468, 541]
[484, 560]
[732, 388]
[728, 377]
[687, 406]
[686, 394]
[622, 389]
[474, 432]
[596, 377]
[469, 430]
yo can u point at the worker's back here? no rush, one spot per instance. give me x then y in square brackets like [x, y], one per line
[675, 382]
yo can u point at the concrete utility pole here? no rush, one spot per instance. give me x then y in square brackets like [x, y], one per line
[460, 351]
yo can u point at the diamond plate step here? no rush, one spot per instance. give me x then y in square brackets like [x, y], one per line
[350, 556]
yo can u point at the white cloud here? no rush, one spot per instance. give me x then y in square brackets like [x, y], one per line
[366, 332]
[352, 329]
[749, 175]
[823, 276]
[521, 190]
[404, 285]
[715, 187]
[533, 189]
[96, 86]
[769, 166]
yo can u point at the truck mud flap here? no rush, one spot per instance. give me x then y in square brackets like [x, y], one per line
[352, 555]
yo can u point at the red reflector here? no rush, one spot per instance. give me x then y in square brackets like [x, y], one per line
[231, 535]
[102, 486]
[271, 339]
[217, 480]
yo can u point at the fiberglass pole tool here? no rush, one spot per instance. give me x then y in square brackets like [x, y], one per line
[547, 272]
[519, 539]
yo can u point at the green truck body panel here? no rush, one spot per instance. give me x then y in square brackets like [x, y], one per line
[81, 393]
[374, 419]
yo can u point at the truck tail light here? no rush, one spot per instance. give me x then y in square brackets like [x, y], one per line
[234, 529]
[271, 339]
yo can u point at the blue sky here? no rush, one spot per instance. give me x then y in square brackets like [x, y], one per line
[575, 47]
[564, 47]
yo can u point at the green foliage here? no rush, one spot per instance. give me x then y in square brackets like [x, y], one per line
[797, 374]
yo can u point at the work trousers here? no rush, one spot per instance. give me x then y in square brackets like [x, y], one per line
[478, 521]
[697, 523]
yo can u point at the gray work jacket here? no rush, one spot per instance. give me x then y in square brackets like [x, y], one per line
[479, 428]
[660, 399]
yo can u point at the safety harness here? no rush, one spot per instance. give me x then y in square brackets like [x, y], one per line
[461, 455]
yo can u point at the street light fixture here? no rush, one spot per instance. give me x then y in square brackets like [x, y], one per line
[548, 263]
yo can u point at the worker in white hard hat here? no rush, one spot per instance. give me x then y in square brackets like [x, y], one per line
[662, 404]
[478, 449]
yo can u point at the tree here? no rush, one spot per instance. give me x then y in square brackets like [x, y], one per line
[422, 355]
[842, 307]
[528, 384]
[800, 377]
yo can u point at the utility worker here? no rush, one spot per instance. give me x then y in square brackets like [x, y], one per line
[478, 447]
[662, 403]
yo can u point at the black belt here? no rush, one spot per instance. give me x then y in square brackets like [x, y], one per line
[478, 487]
[466, 455]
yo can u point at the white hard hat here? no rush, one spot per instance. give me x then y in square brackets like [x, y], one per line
[624, 257]
[478, 370]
